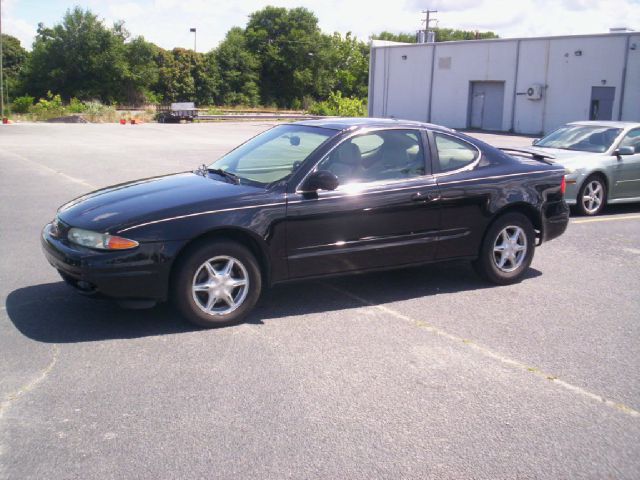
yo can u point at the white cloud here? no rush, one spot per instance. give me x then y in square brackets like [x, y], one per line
[125, 10]
[17, 27]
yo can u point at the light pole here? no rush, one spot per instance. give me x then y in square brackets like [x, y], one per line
[193, 30]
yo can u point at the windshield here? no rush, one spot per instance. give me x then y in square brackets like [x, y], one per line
[274, 154]
[584, 138]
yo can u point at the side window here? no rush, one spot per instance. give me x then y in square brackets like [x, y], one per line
[453, 153]
[380, 155]
[632, 139]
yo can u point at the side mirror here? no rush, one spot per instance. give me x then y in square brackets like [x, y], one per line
[624, 151]
[320, 180]
[535, 141]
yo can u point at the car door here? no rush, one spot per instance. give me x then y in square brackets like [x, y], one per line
[627, 168]
[463, 196]
[383, 213]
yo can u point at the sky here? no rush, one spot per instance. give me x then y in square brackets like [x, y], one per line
[167, 22]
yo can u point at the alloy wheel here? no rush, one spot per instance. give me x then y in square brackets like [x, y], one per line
[510, 248]
[220, 285]
[592, 196]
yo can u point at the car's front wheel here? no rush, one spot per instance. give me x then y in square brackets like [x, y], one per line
[592, 196]
[217, 284]
[507, 249]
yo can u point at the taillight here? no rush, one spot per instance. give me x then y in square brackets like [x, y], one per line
[563, 185]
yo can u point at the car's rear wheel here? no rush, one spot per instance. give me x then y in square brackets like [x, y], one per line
[507, 249]
[592, 196]
[217, 284]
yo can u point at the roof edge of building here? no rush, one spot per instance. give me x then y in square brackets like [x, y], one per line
[497, 40]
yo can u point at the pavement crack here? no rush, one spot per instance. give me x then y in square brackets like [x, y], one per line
[12, 397]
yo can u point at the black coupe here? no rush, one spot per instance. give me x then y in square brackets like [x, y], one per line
[305, 200]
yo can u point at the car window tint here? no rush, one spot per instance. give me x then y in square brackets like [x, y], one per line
[383, 155]
[368, 143]
[453, 153]
[273, 154]
[632, 139]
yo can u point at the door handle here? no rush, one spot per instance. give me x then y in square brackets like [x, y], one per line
[425, 197]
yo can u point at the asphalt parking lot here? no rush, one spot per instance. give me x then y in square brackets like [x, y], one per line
[420, 373]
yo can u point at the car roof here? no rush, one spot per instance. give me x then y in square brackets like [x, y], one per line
[606, 123]
[347, 123]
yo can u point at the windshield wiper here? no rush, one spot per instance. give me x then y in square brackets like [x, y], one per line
[203, 169]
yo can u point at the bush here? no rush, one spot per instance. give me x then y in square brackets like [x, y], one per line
[214, 111]
[49, 107]
[22, 104]
[97, 112]
[151, 97]
[52, 106]
[76, 106]
[337, 105]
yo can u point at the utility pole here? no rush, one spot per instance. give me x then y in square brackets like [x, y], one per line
[427, 21]
[1, 72]
[193, 30]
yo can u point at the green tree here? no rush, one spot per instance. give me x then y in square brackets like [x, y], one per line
[348, 65]
[442, 35]
[239, 70]
[285, 43]
[187, 76]
[207, 79]
[451, 34]
[142, 72]
[14, 59]
[79, 57]
[402, 37]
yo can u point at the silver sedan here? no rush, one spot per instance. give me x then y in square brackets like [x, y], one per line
[602, 161]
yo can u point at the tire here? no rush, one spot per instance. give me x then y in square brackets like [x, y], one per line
[219, 271]
[592, 196]
[515, 232]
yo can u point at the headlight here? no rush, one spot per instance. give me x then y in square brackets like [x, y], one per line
[101, 241]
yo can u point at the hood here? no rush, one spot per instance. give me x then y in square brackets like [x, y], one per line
[127, 204]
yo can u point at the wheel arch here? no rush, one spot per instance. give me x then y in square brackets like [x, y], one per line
[244, 237]
[597, 173]
[526, 209]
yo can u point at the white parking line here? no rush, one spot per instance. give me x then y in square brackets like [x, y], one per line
[494, 355]
[606, 219]
[45, 167]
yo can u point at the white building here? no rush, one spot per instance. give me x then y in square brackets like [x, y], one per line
[523, 85]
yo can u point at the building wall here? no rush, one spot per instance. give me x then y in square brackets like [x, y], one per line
[454, 70]
[532, 69]
[631, 105]
[567, 68]
[571, 77]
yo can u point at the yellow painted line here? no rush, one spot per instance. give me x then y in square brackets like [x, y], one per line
[606, 219]
[487, 352]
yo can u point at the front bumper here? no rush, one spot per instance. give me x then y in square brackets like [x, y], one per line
[140, 273]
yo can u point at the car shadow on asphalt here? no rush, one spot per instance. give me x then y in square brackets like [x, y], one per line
[53, 313]
[621, 209]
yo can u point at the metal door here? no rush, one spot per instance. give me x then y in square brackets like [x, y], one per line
[487, 104]
[601, 106]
